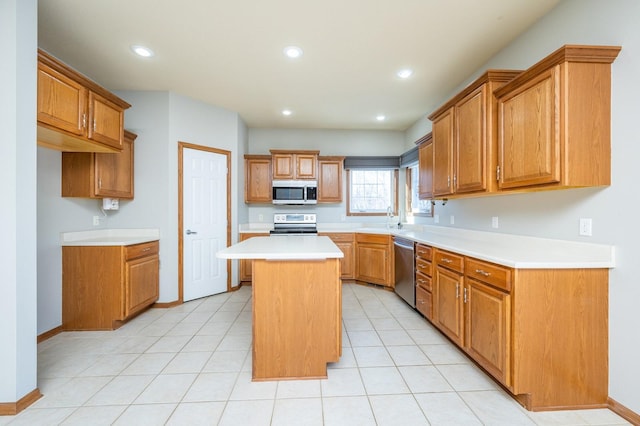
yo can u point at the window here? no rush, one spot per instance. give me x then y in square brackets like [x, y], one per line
[372, 191]
[416, 206]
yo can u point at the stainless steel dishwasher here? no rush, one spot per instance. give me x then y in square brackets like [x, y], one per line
[405, 270]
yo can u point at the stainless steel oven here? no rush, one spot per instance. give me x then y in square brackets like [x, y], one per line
[294, 223]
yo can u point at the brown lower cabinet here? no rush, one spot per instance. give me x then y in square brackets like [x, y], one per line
[246, 269]
[541, 333]
[103, 286]
[345, 242]
[374, 259]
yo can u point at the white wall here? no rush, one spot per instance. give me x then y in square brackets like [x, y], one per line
[613, 209]
[328, 142]
[18, 363]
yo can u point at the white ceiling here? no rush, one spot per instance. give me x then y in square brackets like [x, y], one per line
[230, 53]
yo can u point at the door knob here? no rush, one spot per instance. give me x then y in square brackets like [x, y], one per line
[189, 232]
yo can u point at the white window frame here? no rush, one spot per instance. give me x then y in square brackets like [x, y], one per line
[393, 195]
[424, 208]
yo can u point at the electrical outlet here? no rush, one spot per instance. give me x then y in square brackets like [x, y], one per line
[436, 218]
[452, 220]
[343, 217]
[260, 218]
[586, 227]
[96, 220]
[494, 222]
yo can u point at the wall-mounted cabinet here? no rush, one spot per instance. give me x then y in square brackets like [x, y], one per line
[465, 140]
[425, 168]
[330, 179]
[99, 175]
[294, 164]
[554, 121]
[74, 113]
[257, 179]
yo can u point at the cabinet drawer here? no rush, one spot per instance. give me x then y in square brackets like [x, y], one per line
[496, 275]
[423, 252]
[338, 236]
[424, 302]
[144, 249]
[423, 281]
[423, 266]
[373, 238]
[449, 260]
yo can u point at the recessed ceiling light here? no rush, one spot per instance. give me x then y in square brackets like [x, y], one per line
[293, 52]
[405, 73]
[381, 117]
[143, 51]
[286, 112]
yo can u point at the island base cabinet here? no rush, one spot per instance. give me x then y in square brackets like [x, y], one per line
[297, 311]
[560, 338]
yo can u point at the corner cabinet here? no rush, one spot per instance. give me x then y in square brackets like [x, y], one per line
[464, 137]
[375, 259]
[294, 164]
[330, 179]
[74, 113]
[103, 286]
[257, 179]
[541, 333]
[555, 121]
[99, 175]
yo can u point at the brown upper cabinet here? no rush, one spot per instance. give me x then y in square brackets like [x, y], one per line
[257, 178]
[99, 175]
[554, 121]
[425, 167]
[464, 138]
[294, 164]
[74, 113]
[330, 179]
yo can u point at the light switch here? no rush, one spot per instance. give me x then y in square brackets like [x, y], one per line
[586, 226]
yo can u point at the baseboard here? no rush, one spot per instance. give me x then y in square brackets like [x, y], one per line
[624, 412]
[13, 408]
[49, 334]
[166, 305]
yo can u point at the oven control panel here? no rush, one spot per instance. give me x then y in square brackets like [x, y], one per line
[294, 218]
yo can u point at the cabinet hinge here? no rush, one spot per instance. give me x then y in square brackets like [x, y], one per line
[498, 173]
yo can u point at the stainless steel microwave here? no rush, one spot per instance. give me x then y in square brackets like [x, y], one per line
[295, 192]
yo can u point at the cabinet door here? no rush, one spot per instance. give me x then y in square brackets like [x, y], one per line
[246, 269]
[528, 133]
[330, 181]
[141, 283]
[487, 334]
[425, 171]
[346, 263]
[257, 179]
[372, 263]
[447, 306]
[306, 166]
[443, 154]
[471, 142]
[114, 172]
[62, 102]
[106, 122]
[283, 167]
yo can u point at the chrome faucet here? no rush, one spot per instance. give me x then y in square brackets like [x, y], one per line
[389, 217]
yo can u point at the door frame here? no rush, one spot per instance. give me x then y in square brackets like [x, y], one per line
[181, 147]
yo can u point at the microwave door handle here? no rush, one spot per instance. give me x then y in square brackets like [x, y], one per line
[304, 193]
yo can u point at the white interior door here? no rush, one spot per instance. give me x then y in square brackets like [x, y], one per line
[204, 192]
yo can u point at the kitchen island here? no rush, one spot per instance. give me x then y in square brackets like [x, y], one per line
[297, 304]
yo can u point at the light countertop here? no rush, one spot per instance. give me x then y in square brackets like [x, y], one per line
[283, 247]
[516, 251]
[109, 237]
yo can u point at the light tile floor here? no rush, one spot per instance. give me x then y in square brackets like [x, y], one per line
[191, 365]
